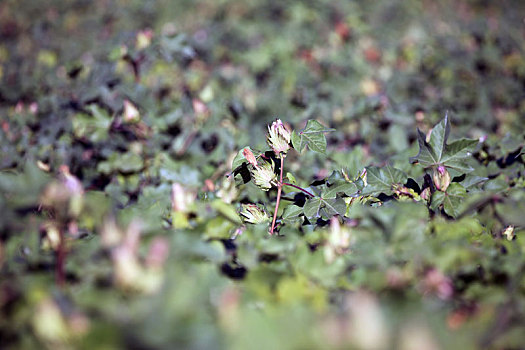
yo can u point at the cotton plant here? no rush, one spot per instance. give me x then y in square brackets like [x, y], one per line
[334, 195]
[262, 169]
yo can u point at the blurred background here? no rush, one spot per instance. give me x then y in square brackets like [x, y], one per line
[136, 96]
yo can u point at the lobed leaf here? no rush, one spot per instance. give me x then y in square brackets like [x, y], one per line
[292, 212]
[312, 136]
[436, 152]
[381, 180]
[451, 200]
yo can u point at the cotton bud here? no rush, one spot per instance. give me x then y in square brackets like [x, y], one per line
[279, 138]
[441, 178]
[65, 195]
[509, 233]
[435, 282]
[49, 324]
[338, 240]
[425, 194]
[159, 251]
[227, 190]
[253, 214]
[143, 39]
[181, 198]
[264, 175]
[131, 114]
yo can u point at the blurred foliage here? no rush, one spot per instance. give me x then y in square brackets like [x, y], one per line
[119, 124]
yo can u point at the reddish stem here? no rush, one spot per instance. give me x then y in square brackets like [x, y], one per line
[279, 191]
[299, 188]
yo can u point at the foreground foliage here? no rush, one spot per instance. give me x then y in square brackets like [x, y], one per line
[127, 139]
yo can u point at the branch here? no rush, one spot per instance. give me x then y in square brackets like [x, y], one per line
[299, 188]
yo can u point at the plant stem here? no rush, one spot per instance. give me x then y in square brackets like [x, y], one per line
[299, 188]
[279, 191]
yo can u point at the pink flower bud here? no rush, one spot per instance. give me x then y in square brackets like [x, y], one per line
[131, 113]
[248, 154]
[441, 178]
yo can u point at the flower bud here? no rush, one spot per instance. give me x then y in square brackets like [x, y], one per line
[425, 194]
[253, 214]
[64, 195]
[509, 233]
[441, 178]
[437, 283]
[131, 114]
[279, 137]
[338, 240]
[181, 198]
[143, 39]
[248, 154]
[264, 175]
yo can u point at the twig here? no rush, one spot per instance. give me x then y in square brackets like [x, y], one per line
[279, 191]
[299, 188]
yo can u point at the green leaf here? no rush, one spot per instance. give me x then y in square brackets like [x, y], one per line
[94, 127]
[126, 163]
[315, 266]
[451, 200]
[226, 210]
[380, 180]
[239, 158]
[436, 152]
[291, 178]
[297, 142]
[129, 163]
[439, 136]
[292, 212]
[473, 180]
[325, 208]
[344, 187]
[23, 188]
[457, 153]
[312, 207]
[331, 207]
[312, 136]
[426, 156]
[511, 210]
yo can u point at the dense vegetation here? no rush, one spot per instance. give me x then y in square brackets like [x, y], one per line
[135, 205]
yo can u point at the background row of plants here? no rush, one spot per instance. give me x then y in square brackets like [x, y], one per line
[120, 124]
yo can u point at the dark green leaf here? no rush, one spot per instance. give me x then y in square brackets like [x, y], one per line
[437, 152]
[334, 206]
[380, 180]
[325, 208]
[312, 207]
[457, 153]
[451, 200]
[439, 137]
[342, 187]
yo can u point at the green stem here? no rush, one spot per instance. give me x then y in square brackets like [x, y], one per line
[279, 191]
